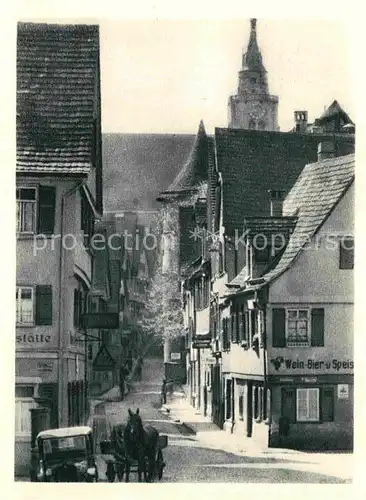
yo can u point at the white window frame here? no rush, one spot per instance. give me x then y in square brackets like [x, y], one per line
[298, 343]
[19, 289]
[31, 404]
[34, 202]
[307, 417]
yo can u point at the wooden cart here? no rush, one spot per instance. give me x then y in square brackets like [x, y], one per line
[116, 464]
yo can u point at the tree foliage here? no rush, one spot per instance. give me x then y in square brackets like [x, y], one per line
[163, 316]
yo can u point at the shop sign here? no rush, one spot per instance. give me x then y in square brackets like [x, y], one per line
[202, 341]
[343, 391]
[33, 339]
[336, 365]
[45, 366]
[309, 380]
[175, 356]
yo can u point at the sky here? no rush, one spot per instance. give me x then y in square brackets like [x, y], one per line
[166, 75]
[162, 71]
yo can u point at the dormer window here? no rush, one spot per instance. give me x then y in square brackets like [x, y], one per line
[261, 249]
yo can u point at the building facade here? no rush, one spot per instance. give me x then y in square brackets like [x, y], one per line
[289, 361]
[59, 196]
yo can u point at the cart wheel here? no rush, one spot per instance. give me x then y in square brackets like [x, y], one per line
[111, 473]
[160, 464]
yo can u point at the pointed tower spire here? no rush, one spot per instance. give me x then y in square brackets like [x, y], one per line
[253, 107]
[195, 170]
[252, 59]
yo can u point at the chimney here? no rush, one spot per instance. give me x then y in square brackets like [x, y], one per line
[301, 121]
[276, 199]
[326, 150]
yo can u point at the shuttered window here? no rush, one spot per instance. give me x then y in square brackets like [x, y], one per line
[307, 405]
[229, 330]
[234, 327]
[242, 326]
[26, 209]
[24, 305]
[297, 327]
[225, 334]
[44, 305]
[46, 209]
[317, 327]
[278, 328]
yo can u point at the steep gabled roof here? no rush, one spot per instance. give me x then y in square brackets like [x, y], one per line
[195, 170]
[57, 78]
[317, 191]
[252, 162]
[332, 112]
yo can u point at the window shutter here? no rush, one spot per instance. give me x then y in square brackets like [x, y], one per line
[43, 305]
[76, 307]
[229, 328]
[242, 326]
[233, 327]
[278, 328]
[327, 405]
[289, 404]
[225, 324]
[46, 209]
[246, 326]
[317, 327]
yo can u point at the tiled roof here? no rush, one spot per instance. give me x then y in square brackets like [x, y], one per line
[266, 226]
[57, 77]
[269, 224]
[136, 167]
[213, 190]
[332, 111]
[315, 194]
[195, 170]
[252, 162]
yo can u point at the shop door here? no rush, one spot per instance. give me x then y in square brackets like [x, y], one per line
[250, 410]
[216, 396]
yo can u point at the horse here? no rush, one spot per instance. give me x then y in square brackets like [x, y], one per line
[140, 444]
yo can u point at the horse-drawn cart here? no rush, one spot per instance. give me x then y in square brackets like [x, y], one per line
[120, 464]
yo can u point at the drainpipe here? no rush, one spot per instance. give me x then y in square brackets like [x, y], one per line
[61, 380]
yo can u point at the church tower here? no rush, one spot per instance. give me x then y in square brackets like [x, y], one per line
[253, 107]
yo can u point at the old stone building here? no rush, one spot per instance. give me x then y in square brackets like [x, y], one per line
[253, 107]
[59, 197]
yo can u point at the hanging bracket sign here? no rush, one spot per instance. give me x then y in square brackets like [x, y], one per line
[100, 320]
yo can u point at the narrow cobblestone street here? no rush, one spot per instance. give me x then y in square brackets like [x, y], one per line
[206, 456]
